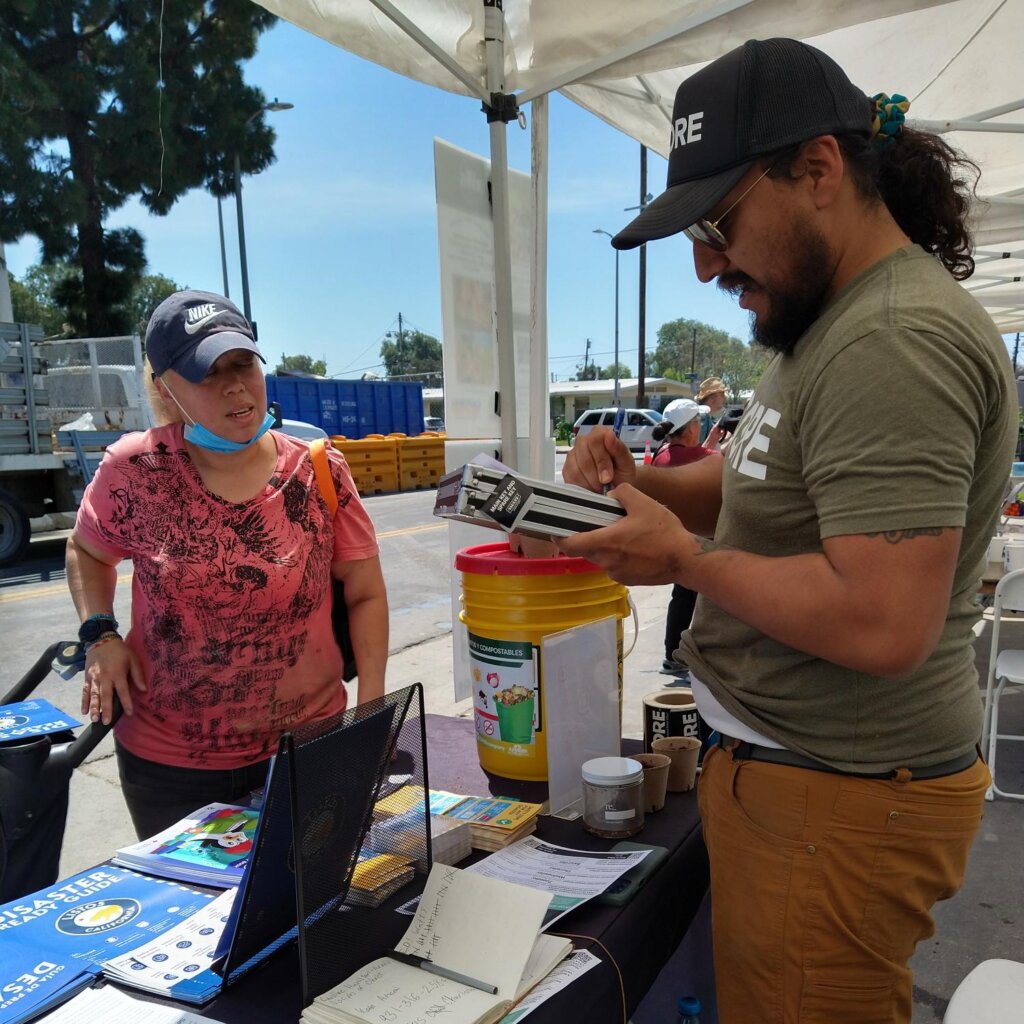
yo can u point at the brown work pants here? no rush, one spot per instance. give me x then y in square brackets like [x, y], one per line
[821, 885]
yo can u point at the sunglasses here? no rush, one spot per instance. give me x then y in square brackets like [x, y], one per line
[707, 231]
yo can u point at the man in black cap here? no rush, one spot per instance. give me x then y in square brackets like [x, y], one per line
[831, 647]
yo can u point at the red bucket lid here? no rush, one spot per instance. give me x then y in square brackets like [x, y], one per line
[501, 560]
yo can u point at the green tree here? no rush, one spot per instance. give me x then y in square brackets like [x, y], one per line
[302, 364]
[32, 298]
[40, 298]
[151, 290]
[685, 344]
[585, 373]
[105, 100]
[413, 354]
[608, 373]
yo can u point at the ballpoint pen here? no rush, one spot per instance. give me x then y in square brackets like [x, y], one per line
[442, 972]
[620, 416]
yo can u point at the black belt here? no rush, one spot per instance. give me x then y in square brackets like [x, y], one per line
[741, 750]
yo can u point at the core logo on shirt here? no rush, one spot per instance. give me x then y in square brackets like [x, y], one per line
[98, 916]
[750, 437]
[686, 130]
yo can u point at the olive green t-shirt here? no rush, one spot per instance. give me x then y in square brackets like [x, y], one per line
[897, 410]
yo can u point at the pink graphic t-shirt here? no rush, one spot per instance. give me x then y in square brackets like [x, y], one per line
[231, 602]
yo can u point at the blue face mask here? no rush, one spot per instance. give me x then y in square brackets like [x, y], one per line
[195, 433]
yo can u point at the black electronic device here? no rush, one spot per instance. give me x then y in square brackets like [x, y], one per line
[626, 886]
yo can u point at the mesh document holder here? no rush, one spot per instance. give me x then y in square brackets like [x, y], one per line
[321, 790]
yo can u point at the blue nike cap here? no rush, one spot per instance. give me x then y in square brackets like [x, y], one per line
[190, 330]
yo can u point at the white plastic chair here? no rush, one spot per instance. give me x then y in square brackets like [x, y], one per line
[993, 993]
[1003, 667]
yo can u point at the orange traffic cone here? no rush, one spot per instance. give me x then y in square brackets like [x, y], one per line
[647, 453]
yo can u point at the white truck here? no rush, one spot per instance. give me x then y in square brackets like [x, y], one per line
[61, 403]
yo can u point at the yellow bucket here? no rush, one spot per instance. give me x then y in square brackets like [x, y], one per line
[509, 604]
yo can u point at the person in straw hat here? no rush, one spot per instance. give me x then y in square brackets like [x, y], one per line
[831, 648]
[711, 394]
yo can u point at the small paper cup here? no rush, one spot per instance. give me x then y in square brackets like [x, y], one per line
[656, 768]
[683, 752]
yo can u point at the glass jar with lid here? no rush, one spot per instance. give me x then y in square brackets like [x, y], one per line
[613, 797]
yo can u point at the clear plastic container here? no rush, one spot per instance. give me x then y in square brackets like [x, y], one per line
[613, 797]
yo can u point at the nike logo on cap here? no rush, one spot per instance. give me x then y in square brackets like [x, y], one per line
[199, 317]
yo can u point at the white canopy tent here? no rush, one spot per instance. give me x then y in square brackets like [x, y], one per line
[958, 61]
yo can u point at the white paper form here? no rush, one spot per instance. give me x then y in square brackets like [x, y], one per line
[572, 967]
[573, 876]
[107, 1005]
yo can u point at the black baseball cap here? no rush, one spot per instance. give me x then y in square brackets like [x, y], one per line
[190, 330]
[757, 99]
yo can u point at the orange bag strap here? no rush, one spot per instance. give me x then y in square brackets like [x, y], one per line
[322, 469]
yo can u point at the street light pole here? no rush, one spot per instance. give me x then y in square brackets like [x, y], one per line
[615, 395]
[223, 252]
[271, 107]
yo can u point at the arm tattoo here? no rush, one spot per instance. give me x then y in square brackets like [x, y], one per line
[895, 536]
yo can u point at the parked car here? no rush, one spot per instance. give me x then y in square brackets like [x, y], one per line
[301, 430]
[637, 425]
[434, 423]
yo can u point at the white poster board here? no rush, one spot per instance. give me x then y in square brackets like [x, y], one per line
[465, 238]
[580, 673]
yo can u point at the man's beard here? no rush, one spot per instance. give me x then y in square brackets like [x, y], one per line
[795, 303]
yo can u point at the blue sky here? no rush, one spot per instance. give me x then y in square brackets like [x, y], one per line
[341, 231]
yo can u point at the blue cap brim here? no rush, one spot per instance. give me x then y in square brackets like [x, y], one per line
[197, 364]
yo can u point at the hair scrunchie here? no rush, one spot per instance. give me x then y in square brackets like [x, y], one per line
[890, 113]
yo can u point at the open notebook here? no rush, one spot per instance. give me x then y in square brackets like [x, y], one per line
[466, 924]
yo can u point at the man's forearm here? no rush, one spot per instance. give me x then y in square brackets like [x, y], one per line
[881, 625]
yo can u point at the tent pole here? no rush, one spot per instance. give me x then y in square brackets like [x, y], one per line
[494, 41]
[540, 404]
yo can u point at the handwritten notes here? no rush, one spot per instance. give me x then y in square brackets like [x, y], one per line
[483, 928]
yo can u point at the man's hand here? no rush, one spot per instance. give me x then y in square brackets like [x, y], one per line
[599, 459]
[648, 547]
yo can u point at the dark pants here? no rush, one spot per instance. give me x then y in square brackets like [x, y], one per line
[678, 617]
[158, 795]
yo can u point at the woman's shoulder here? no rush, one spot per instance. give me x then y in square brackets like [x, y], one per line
[137, 442]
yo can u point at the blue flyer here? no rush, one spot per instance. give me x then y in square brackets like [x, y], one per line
[53, 942]
[30, 718]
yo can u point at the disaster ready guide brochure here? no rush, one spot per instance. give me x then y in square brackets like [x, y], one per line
[30, 718]
[53, 942]
[211, 846]
[473, 948]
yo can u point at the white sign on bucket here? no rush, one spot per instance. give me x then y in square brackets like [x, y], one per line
[1013, 555]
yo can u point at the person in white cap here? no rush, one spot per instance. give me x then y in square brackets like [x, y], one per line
[680, 430]
[832, 644]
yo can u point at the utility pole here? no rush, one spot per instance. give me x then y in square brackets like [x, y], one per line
[1016, 349]
[693, 351]
[399, 328]
[586, 353]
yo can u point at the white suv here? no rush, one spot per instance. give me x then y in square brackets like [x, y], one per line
[637, 425]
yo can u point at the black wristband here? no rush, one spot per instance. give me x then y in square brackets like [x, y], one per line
[94, 626]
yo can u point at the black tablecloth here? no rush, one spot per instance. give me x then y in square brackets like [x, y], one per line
[633, 941]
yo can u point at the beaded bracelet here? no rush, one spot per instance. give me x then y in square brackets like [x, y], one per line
[102, 639]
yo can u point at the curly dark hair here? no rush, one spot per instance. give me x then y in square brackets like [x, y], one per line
[926, 185]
